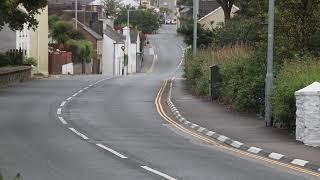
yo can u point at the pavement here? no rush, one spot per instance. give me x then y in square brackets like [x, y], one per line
[245, 128]
[112, 129]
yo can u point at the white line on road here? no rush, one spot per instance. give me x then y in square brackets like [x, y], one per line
[79, 134]
[85, 88]
[299, 162]
[69, 98]
[75, 94]
[112, 151]
[254, 150]
[276, 156]
[62, 120]
[80, 91]
[62, 104]
[59, 111]
[158, 173]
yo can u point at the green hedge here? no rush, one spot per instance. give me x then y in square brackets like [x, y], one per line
[292, 77]
[242, 84]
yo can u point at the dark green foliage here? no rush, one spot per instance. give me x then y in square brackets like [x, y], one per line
[242, 84]
[145, 20]
[292, 77]
[205, 37]
[52, 20]
[82, 50]
[11, 13]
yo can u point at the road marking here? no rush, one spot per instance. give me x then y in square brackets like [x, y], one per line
[210, 133]
[254, 150]
[62, 120]
[112, 151]
[158, 173]
[276, 156]
[80, 91]
[212, 142]
[222, 138]
[63, 103]
[194, 125]
[85, 88]
[299, 162]
[201, 129]
[69, 98]
[236, 144]
[75, 94]
[59, 111]
[79, 134]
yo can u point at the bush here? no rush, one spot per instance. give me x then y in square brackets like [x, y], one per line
[30, 61]
[196, 70]
[4, 60]
[292, 77]
[242, 84]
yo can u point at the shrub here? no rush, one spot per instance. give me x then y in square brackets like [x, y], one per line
[4, 60]
[242, 84]
[196, 70]
[30, 61]
[292, 77]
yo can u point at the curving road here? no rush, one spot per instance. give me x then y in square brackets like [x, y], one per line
[127, 139]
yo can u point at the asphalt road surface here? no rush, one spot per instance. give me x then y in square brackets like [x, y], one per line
[118, 114]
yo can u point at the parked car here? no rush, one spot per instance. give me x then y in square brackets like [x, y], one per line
[168, 21]
[173, 21]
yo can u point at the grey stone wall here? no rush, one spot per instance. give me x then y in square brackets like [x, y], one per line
[14, 75]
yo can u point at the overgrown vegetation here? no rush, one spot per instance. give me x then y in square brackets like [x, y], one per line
[296, 61]
[145, 20]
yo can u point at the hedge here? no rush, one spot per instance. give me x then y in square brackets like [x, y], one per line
[292, 77]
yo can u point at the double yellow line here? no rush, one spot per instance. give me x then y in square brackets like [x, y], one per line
[163, 114]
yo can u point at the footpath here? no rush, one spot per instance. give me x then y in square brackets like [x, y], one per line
[245, 128]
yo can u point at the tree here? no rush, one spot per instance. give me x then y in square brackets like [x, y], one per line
[227, 7]
[111, 7]
[145, 20]
[16, 13]
[82, 51]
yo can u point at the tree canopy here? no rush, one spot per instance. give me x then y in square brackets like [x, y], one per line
[111, 7]
[145, 20]
[16, 13]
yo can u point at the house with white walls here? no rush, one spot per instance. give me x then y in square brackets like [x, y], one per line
[113, 49]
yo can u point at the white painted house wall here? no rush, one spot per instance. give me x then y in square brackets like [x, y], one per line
[108, 54]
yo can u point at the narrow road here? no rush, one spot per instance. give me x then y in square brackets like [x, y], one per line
[127, 138]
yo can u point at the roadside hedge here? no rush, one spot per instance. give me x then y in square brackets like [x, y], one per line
[292, 77]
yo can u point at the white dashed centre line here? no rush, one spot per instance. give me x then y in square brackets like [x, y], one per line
[62, 120]
[69, 98]
[79, 134]
[59, 111]
[112, 151]
[62, 104]
[158, 173]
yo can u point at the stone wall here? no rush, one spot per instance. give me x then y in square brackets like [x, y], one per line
[13, 75]
[308, 115]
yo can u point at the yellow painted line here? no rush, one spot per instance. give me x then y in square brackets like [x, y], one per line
[210, 141]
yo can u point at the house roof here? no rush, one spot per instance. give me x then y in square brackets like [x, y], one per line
[207, 6]
[214, 11]
[90, 31]
[134, 36]
[114, 35]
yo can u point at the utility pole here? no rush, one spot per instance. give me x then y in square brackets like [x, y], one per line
[128, 18]
[269, 76]
[195, 26]
[76, 12]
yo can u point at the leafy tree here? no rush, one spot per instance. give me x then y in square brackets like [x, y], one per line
[63, 31]
[227, 7]
[16, 13]
[145, 20]
[82, 51]
[52, 20]
[111, 7]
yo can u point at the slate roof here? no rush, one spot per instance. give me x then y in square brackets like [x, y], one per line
[91, 31]
[114, 35]
[207, 6]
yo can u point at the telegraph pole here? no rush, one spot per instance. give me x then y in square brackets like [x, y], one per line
[195, 26]
[269, 76]
[76, 12]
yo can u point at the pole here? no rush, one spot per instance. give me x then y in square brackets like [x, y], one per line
[76, 12]
[269, 76]
[195, 26]
[128, 18]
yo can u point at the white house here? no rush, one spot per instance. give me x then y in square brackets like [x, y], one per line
[113, 49]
